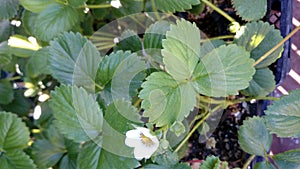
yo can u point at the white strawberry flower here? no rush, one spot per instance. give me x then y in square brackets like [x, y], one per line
[143, 142]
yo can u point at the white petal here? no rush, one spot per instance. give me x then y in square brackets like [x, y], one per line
[133, 134]
[132, 142]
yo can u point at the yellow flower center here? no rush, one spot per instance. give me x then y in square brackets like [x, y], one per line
[146, 140]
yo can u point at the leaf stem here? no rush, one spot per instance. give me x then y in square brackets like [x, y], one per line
[221, 12]
[277, 46]
[155, 10]
[99, 6]
[217, 38]
[248, 161]
[136, 104]
[195, 128]
[13, 78]
[256, 98]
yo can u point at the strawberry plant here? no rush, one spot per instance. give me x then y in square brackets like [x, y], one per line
[125, 83]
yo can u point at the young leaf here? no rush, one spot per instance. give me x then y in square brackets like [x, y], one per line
[8, 8]
[13, 132]
[93, 156]
[288, 159]
[21, 46]
[6, 92]
[224, 71]
[250, 10]
[55, 19]
[77, 113]
[254, 137]
[181, 50]
[74, 60]
[165, 101]
[211, 162]
[258, 38]
[36, 6]
[283, 116]
[173, 6]
[262, 83]
[16, 159]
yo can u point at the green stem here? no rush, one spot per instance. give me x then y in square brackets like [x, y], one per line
[13, 78]
[105, 47]
[99, 6]
[217, 38]
[155, 10]
[98, 33]
[218, 10]
[248, 161]
[256, 98]
[137, 103]
[277, 46]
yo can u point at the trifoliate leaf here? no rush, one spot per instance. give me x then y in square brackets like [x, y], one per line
[250, 10]
[36, 6]
[77, 113]
[181, 50]
[95, 157]
[211, 162]
[74, 60]
[129, 40]
[224, 71]
[5, 55]
[254, 137]
[263, 83]
[8, 8]
[258, 38]
[16, 159]
[165, 101]
[123, 71]
[13, 133]
[283, 116]
[55, 19]
[288, 159]
[6, 92]
[172, 6]
[20, 105]
[38, 63]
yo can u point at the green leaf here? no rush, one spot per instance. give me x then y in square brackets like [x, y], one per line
[262, 83]
[181, 49]
[29, 21]
[254, 137]
[167, 159]
[121, 73]
[258, 38]
[74, 60]
[20, 105]
[264, 165]
[120, 114]
[77, 113]
[54, 149]
[211, 162]
[5, 55]
[128, 7]
[6, 92]
[233, 73]
[38, 63]
[288, 159]
[46, 117]
[16, 159]
[54, 20]
[77, 3]
[283, 116]
[13, 132]
[250, 10]
[178, 128]
[36, 6]
[210, 45]
[8, 8]
[5, 30]
[129, 40]
[172, 6]
[94, 157]
[165, 101]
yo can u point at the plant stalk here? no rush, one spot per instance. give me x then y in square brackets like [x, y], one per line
[99, 6]
[248, 161]
[155, 10]
[221, 12]
[277, 46]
